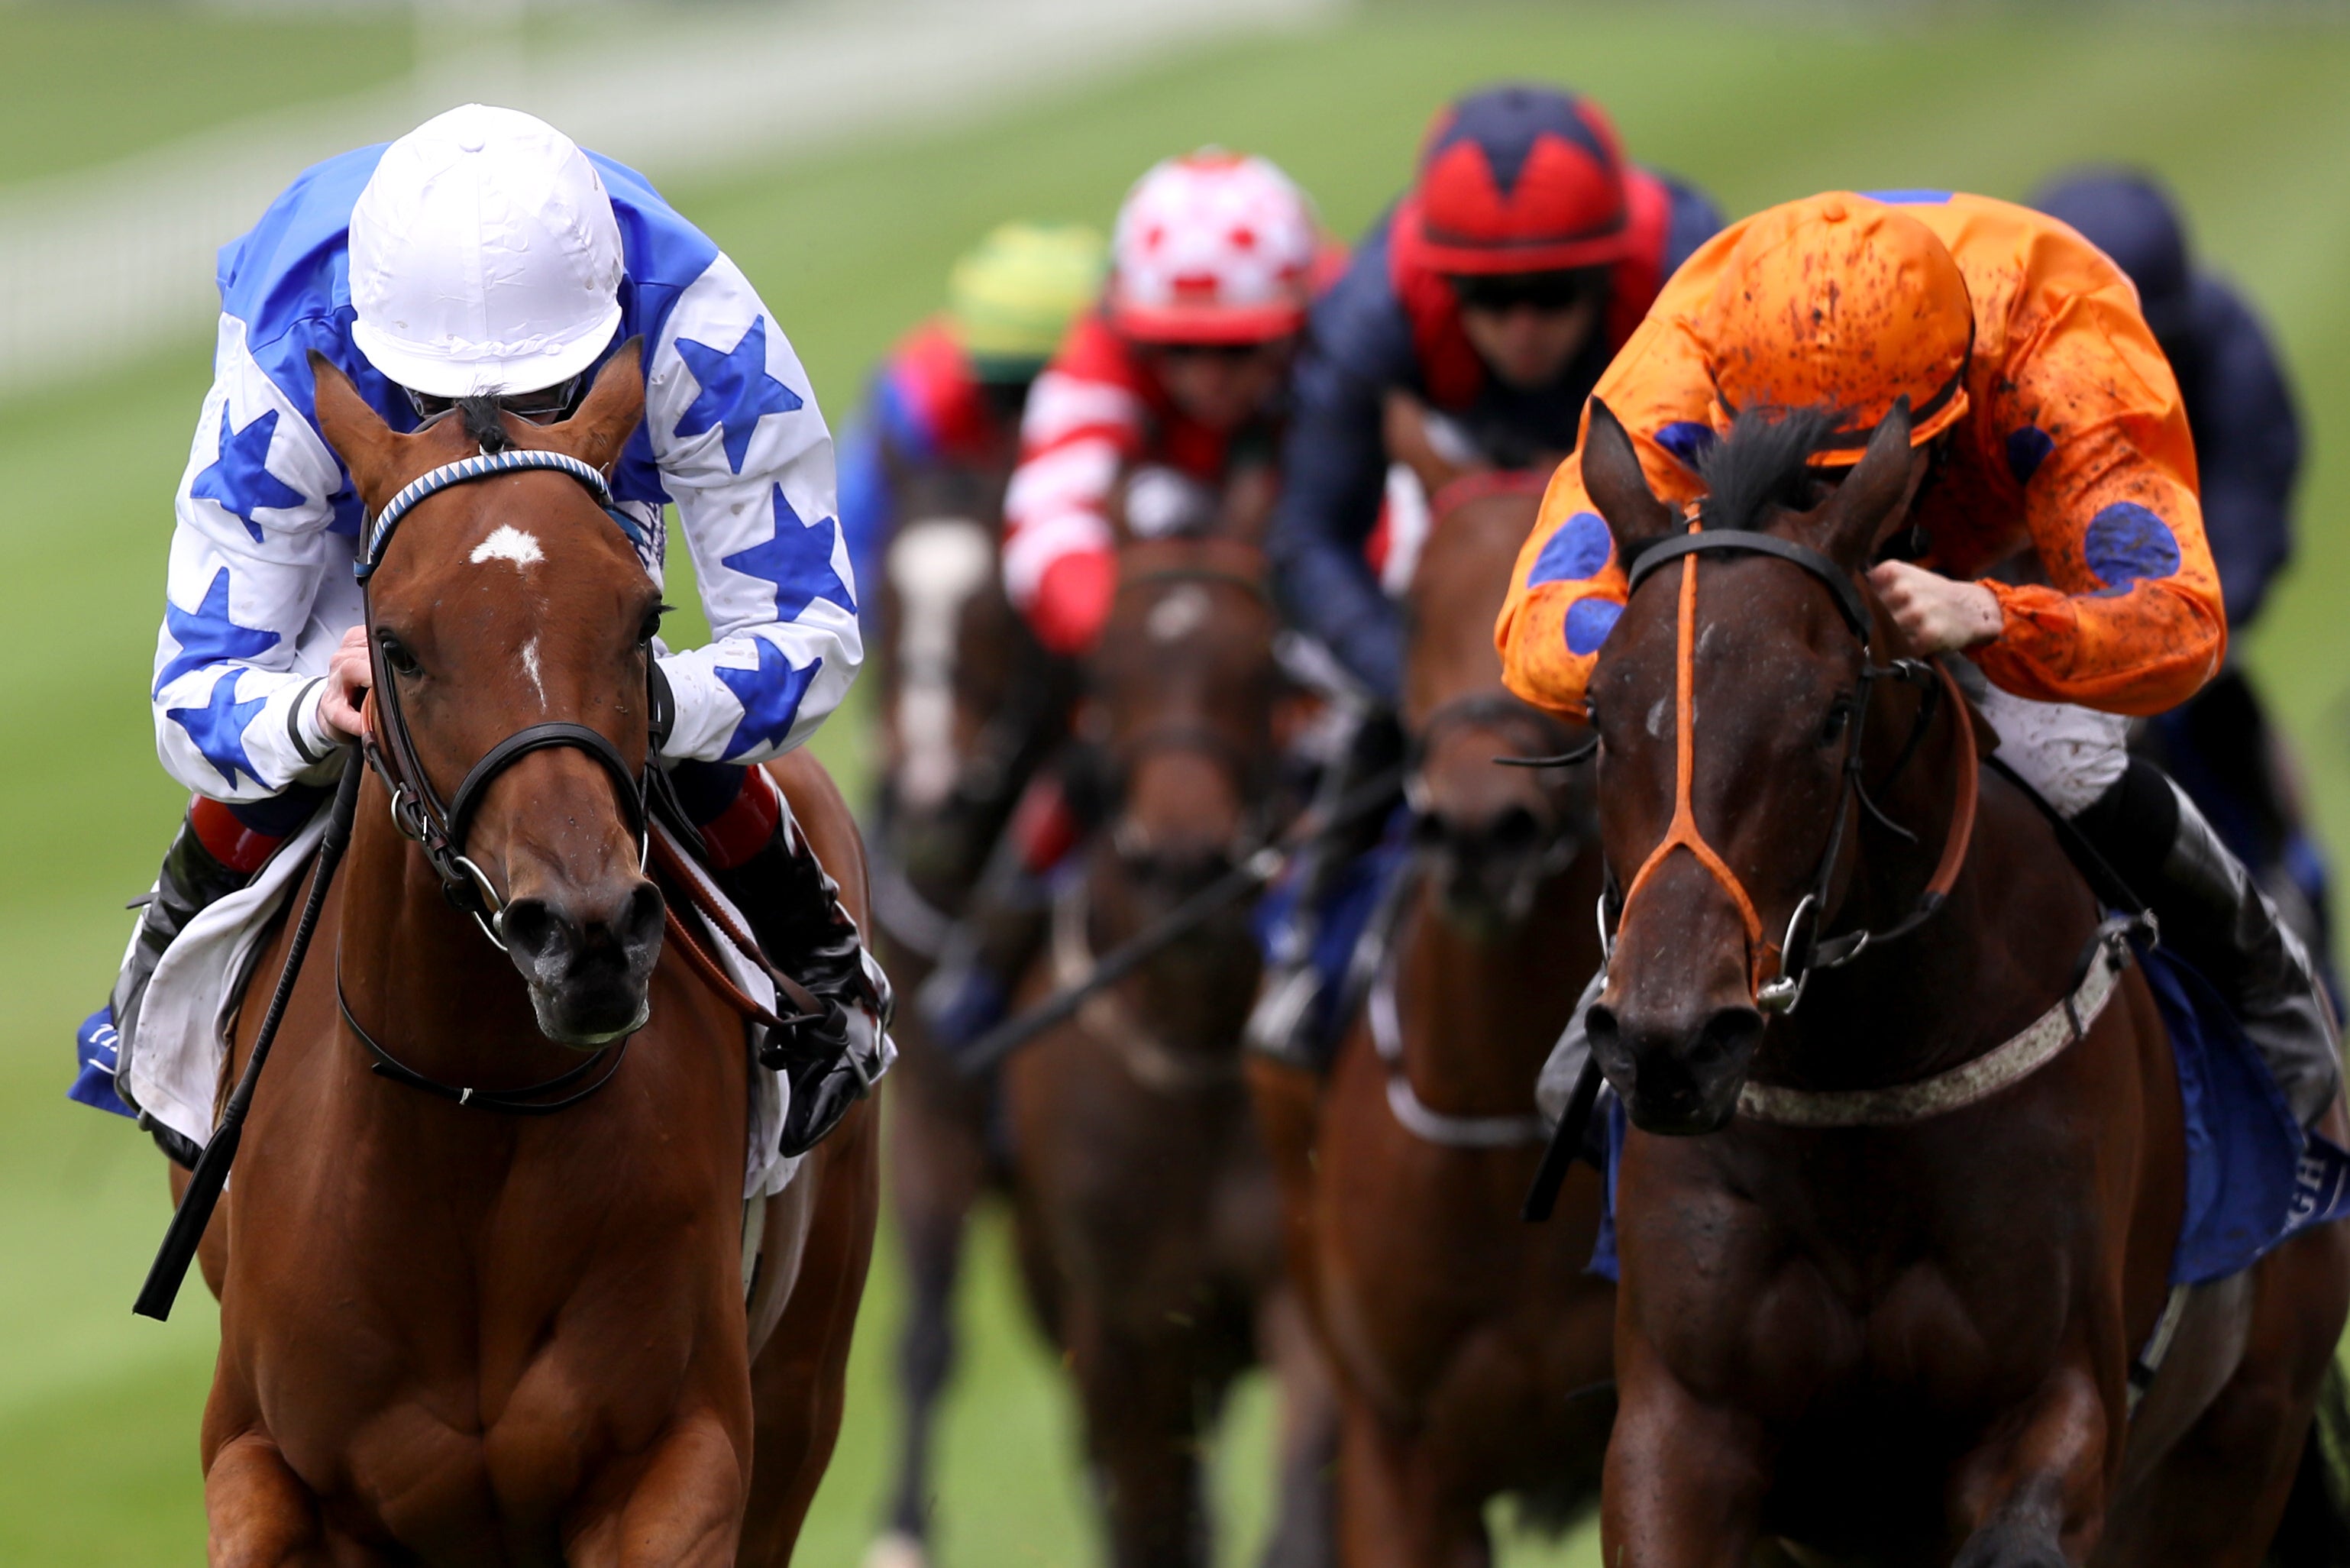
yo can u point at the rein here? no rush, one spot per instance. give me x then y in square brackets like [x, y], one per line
[1799, 951]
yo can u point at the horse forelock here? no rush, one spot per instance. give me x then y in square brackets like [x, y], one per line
[1764, 465]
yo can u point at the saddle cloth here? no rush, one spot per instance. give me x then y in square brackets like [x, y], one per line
[174, 1071]
[2254, 1178]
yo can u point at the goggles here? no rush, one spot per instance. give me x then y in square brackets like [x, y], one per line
[544, 406]
[1502, 292]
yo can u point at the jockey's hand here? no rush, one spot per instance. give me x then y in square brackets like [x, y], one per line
[1936, 614]
[348, 674]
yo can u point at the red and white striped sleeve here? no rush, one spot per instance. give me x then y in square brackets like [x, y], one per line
[1085, 422]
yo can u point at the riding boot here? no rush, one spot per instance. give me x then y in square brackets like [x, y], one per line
[832, 1059]
[2214, 916]
[1003, 926]
[1563, 1069]
[1294, 1020]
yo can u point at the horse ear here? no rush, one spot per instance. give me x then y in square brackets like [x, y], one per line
[612, 411]
[1867, 505]
[1613, 479]
[368, 447]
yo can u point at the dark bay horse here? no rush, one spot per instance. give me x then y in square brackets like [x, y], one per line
[969, 705]
[1472, 1351]
[450, 1336]
[1146, 1211]
[1883, 1280]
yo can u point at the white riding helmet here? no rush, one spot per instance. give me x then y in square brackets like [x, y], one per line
[485, 258]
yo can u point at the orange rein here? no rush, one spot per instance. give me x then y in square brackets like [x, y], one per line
[1683, 832]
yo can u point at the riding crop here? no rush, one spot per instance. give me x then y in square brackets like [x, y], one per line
[1250, 875]
[211, 1175]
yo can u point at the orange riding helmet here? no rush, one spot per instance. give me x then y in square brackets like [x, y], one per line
[1842, 302]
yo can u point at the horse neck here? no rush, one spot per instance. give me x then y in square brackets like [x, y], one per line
[421, 976]
[1479, 1013]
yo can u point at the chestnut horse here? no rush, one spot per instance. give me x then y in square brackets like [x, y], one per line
[1472, 1351]
[1882, 1309]
[1148, 1222]
[969, 705]
[455, 1336]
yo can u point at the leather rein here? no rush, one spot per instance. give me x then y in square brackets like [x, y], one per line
[1800, 950]
[439, 827]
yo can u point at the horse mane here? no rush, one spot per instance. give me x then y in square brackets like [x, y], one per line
[1763, 465]
[484, 423]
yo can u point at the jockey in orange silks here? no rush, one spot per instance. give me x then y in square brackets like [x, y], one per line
[2051, 435]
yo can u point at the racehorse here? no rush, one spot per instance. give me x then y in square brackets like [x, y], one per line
[969, 703]
[1894, 1266]
[452, 1331]
[1144, 1208]
[1472, 1351]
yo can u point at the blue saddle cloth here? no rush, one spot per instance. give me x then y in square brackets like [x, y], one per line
[94, 1056]
[2254, 1178]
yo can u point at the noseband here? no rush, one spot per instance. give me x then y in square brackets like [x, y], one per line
[439, 827]
[1799, 951]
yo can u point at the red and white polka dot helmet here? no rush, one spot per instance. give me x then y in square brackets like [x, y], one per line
[1212, 247]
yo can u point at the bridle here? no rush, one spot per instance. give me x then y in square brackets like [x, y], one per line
[1799, 950]
[439, 827]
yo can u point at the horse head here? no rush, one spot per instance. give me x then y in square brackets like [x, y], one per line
[1729, 699]
[504, 604]
[1181, 704]
[970, 699]
[1491, 836]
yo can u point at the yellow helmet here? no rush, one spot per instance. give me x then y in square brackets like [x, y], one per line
[1012, 295]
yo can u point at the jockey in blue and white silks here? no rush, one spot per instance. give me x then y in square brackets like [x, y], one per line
[486, 254]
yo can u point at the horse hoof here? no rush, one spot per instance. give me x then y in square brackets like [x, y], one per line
[896, 1549]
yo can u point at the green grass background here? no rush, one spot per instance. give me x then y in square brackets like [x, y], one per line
[2246, 115]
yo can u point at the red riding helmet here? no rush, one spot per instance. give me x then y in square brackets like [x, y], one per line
[1521, 179]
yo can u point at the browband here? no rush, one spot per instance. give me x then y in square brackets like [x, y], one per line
[465, 471]
[1833, 577]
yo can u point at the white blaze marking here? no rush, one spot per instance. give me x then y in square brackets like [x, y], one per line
[530, 667]
[508, 542]
[1182, 612]
[935, 566]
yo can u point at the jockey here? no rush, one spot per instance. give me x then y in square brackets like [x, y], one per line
[1472, 324]
[2248, 459]
[2049, 431]
[1159, 415]
[947, 402]
[484, 252]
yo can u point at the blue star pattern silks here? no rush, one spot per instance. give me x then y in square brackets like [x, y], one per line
[260, 588]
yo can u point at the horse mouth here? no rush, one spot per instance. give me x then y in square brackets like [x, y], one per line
[566, 1024]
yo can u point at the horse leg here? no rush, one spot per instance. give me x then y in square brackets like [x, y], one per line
[260, 1513]
[799, 1378]
[1392, 1514]
[1141, 1425]
[1684, 1481]
[937, 1166]
[2217, 1496]
[2036, 1498]
[1301, 1536]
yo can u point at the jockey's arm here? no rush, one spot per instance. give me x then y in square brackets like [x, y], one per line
[258, 594]
[1333, 469]
[743, 449]
[1567, 587]
[2130, 619]
[1080, 432]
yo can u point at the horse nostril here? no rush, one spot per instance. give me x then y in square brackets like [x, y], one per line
[640, 926]
[1728, 1039]
[531, 930]
[1516, 829]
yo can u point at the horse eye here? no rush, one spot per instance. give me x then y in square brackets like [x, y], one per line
[396, 655]
[651, 628]
[1838, 718]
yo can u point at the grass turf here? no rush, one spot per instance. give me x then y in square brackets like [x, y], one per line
[97, 1413]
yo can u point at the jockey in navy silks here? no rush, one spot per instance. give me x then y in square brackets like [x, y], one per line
[1476, 315]
[2248, 451]
[484, 254]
